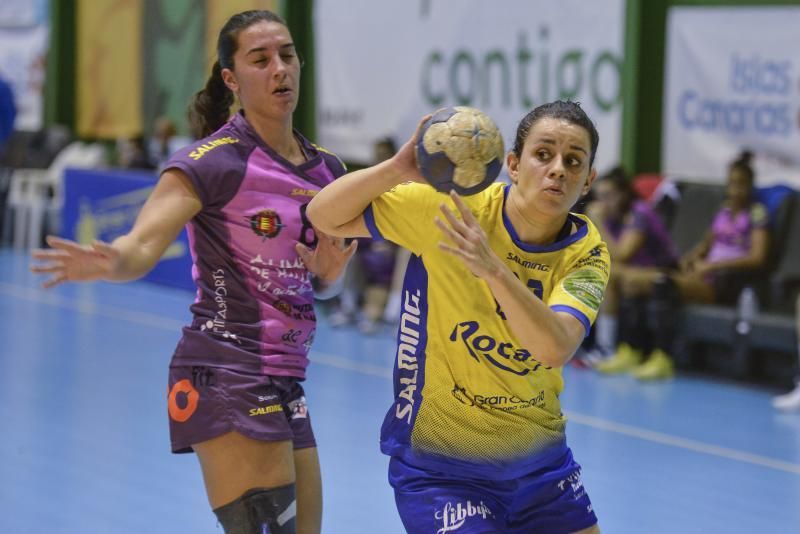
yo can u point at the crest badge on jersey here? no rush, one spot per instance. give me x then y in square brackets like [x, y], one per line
[266, 224]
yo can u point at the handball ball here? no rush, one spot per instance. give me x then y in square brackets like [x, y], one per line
[460, 148]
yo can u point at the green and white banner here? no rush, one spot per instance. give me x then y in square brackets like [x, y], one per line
[383, 64]
[733, 82]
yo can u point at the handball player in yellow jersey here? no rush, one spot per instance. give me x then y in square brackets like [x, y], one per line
[501, 288]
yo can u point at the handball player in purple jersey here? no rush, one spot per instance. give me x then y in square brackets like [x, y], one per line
[235, 396]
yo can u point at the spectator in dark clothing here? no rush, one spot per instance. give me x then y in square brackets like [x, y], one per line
[8, 112]
[133, 154]
[636, 238]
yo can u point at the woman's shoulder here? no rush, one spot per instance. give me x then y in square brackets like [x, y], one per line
[205, 147]
[222, 149]
[642, 207]
[331, 159]
[643, 216]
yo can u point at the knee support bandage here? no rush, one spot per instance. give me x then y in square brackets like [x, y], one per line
[260, 511]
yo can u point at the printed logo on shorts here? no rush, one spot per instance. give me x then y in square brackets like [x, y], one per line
[453, 517]
[573, 483]
[265, 410]
[182, 401]
[299, 408]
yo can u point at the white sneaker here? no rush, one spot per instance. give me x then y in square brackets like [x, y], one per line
[788, 402]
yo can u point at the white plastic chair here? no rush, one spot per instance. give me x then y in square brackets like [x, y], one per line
[77, 155]
[36, 195]
[27, 194]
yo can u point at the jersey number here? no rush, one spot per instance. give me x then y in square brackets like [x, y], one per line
[307, 229]
[534, 285]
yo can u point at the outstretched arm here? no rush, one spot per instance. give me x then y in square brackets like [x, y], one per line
[338, 209]
[170, 206]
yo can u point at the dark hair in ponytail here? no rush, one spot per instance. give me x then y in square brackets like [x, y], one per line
[743, 163]
[210, 107]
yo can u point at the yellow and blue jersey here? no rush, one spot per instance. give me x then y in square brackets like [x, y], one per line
[468, 395]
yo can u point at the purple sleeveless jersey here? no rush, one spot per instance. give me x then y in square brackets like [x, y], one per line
[254, 310]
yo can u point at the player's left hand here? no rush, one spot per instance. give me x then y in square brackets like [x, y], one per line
[469, 240]
[328, 260]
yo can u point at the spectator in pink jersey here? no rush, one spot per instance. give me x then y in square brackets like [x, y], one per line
[735, 245]
[235, 396]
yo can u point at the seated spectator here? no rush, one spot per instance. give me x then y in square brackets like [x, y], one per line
[377, 260]
[712, 272]
[132, 154]
[164, 141]
[636, 237]
[791, 401]
[159, 149]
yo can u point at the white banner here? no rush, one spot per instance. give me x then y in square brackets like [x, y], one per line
[733, 82]
[383, 64]
[22, 13]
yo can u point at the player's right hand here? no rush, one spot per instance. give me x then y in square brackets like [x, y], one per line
[68, 261]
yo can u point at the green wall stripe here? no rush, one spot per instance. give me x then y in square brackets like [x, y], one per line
[59, 90]
[299, 17]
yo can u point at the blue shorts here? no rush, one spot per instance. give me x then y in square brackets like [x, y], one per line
[551, 500]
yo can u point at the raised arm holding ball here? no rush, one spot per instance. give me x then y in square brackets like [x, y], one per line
[501, 288]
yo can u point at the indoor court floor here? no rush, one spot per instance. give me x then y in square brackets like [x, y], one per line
[85, 448]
